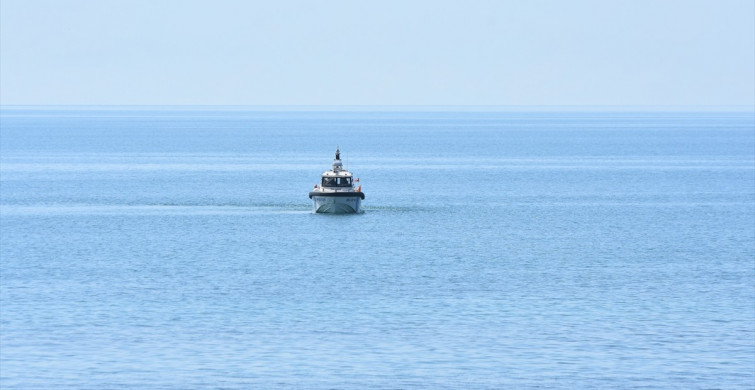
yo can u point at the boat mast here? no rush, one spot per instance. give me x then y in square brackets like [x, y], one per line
[337, 165]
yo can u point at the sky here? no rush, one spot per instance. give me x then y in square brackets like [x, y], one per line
[382, 52]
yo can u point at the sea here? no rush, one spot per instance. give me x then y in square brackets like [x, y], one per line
[177, 248]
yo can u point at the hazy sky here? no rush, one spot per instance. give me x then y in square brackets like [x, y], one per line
[407, 52]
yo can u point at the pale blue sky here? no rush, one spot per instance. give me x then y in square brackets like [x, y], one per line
[408, 52]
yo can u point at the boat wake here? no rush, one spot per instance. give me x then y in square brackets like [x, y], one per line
[153, 209]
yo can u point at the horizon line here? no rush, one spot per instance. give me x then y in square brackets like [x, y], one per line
[395, 107]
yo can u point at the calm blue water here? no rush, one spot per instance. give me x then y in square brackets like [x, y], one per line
[176, 249]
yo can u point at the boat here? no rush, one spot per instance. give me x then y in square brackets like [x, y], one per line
[336, 194]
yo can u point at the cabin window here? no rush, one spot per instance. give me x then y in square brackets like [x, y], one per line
[336, 182]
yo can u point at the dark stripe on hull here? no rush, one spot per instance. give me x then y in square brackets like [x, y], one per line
[336, 194]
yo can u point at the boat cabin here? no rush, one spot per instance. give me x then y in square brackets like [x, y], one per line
[337, 177]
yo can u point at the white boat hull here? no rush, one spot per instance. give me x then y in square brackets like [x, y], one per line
[337, 205]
